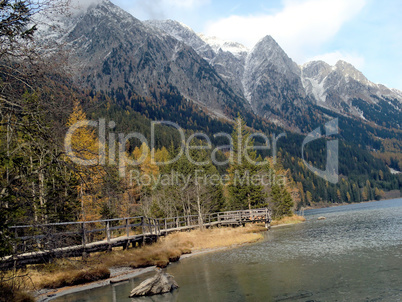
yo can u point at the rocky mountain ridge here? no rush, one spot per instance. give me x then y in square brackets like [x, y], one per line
[111, 49]
[277, 88]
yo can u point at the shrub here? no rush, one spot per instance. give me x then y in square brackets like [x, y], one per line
[10, 293]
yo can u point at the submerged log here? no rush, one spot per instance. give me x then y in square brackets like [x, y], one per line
[161, 283]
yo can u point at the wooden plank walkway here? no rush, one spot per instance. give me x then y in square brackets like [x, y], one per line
[42, 243]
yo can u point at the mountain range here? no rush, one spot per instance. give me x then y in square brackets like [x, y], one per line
[111, 49]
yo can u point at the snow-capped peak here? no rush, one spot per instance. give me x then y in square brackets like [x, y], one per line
[349, 71]
[217, 44]
[174, 28]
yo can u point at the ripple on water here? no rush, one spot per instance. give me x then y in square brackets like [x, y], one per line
[354, 254]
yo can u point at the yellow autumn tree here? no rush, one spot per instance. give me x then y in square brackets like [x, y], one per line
[162, 155]
[84, 146]
[149, 170]
[128, 203]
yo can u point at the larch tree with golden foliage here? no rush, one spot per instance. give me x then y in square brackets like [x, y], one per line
[85, 146]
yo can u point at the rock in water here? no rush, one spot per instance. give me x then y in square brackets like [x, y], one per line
[161, 283]
[321, 218]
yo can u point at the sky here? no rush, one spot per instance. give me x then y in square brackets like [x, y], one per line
[366, 33]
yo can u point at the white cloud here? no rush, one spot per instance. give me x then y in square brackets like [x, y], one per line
[84, 4]
[186, 3]
[163, 9]
[301, 27]
[332, 57]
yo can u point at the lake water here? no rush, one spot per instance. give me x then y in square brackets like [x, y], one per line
[355, 254]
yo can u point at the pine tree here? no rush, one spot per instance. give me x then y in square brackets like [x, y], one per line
[282, 192]
[244, 191]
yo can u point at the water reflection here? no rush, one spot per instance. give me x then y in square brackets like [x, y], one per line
[355, 254]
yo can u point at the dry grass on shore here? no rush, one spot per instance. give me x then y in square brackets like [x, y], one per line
[288, 220]
[67, 272]
[220, 237]
[75, 277]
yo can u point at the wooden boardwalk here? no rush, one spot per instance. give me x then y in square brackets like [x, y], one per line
[42, 243]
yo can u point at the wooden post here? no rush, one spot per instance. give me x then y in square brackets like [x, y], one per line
[15, 243]
[146, 227]
[84, 240]
[37, 237]
[267, 219]
[108, 231]
[83, 234]
[126, 246]
[166, 224]
[149, 226]
[142, 225]
[158, 227]
[127, 228]
[108, 235]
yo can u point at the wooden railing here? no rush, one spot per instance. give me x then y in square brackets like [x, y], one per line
[41, 243]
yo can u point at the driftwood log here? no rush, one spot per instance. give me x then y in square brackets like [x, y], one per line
[161, 283]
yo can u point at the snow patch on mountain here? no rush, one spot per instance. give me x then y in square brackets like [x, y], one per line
[397, 92]
[265, 76]
[176, 29]
[349, 71]
[218, 44]
[318, 89]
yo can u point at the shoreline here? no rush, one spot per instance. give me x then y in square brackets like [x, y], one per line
[118, 275]
[123, 274]
[333, 205]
